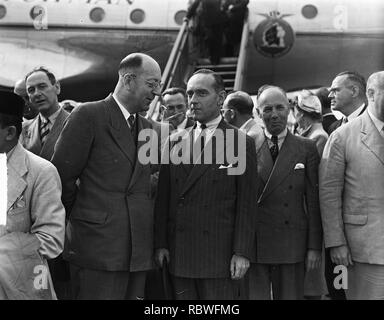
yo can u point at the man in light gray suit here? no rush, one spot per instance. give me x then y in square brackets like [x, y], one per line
[352, 196]
[34, 229]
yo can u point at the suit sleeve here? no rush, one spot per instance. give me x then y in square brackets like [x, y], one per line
[331, 177]
[72, 151]
[312, 198]
[47, 212]
[247, 186]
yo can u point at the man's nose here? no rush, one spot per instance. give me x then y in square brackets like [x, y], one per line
[331, 94]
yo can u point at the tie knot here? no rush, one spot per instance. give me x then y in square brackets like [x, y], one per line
[131, 120]
[345, 120]
[203, 126]
[274, 139]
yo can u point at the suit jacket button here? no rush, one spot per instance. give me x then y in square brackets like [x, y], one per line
[285, 204]
[286, 222]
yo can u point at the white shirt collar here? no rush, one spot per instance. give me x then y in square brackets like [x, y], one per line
[377, 122]
[183, 124]
[282, 134]
[211, 125]
[355, 113]
[242, 128]
[51, 118]
[125, 112]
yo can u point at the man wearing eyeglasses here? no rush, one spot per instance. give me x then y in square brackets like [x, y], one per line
[175, 108]
[106, 188]
[347, 95]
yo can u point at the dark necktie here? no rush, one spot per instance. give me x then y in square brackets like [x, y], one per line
[132, 127]
[198, 145]
[44, 130]
[275, 148]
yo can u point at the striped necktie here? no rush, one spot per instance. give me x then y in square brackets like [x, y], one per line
[44, 130]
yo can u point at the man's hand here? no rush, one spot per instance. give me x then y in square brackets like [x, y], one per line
[341, 255]
[3, 230]
[313, 260]
[160, 255]
[239, 267]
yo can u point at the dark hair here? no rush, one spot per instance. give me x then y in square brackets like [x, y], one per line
[219, 82]
[173, 91]
[132, 61]
[7, 120]
[357, 79]
[241, 102]
[49, 74]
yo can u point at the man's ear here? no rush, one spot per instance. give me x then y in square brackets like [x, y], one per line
[58, 87]
[222, 95]
[355, 91]
[11, 133]
[371, 94]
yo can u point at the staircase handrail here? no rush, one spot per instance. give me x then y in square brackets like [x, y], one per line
[171, 65]
[242, 54]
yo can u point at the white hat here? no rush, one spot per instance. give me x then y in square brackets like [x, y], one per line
[309, 103]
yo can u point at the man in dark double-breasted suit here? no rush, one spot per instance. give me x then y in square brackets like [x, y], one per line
[204, 216]
[110, 229]
[288, 228]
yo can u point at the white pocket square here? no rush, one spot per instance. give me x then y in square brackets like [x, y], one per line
[299, 166]
[226, 167]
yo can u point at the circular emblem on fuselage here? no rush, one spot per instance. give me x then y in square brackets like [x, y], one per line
[273, 37]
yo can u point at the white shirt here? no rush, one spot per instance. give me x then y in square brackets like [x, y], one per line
[242, 128]
[355, 113]
[211, 127]
[280, 137]
[51, 118]
[183, 124]
[125, 112]
[378, 123]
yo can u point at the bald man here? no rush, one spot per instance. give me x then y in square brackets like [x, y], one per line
[29, 111]
[109, 232]
[237, 110]
[352, 196]
[288, 229]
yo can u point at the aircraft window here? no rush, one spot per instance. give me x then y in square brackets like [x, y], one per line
[37, 12]
[309, 11]
[179, 16]
[3, 11]
[97, 14]
[137, 16]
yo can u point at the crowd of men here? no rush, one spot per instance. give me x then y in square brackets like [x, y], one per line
[101, 222]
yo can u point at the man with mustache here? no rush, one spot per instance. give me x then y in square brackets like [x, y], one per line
[106, 188]
[288, 227]
[175, 106]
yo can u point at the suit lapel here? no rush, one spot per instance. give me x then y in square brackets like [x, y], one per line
[283, 165]
[54, 134]
[142, 124]
[120, 131]
[16, 171]
[371, 138]
[264, 159]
